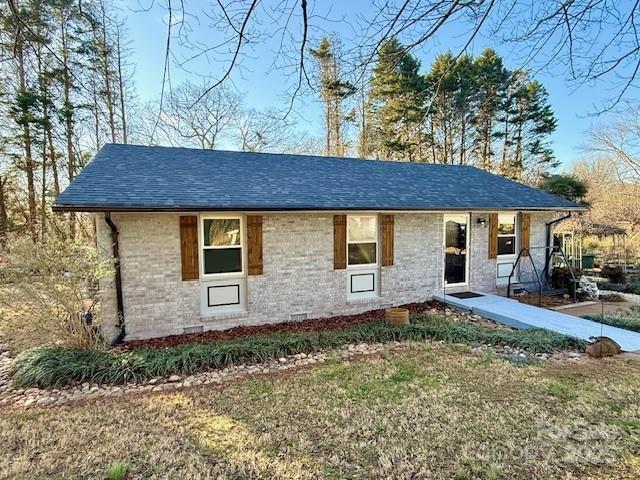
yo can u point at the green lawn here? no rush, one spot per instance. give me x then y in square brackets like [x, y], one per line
[425, 412]
[628, 318]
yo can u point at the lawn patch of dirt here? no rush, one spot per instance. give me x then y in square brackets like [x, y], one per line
[312, 325]
[548, 301]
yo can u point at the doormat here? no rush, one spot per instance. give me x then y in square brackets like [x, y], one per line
[463, 295]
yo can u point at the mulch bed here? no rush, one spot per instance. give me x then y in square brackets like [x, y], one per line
[548, 301]
[312, 325]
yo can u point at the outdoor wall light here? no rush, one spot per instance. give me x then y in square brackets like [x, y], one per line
[482, 221]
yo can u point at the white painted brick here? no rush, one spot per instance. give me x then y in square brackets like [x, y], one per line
[298, 272]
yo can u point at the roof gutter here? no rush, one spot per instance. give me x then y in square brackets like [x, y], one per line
[276, 208]
[118, 279]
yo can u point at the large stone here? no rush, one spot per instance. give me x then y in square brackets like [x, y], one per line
[603, 347]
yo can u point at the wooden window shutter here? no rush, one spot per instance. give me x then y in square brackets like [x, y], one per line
[387, 237]
[189, 247]
[339, 242]
[493, 235]
[254, 244]
[525, 232]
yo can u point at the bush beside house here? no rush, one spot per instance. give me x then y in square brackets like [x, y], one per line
[52, 365]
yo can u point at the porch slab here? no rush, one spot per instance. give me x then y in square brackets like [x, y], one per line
[519, 315]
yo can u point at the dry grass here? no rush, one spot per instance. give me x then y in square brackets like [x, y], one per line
[420, 413]
[24, 324]
[17, 330]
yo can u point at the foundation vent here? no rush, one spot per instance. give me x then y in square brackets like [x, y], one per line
[195, 329]
[298, 317]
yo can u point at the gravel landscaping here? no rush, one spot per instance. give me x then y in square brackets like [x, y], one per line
[81, 391]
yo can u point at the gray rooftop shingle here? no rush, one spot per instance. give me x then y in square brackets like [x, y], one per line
[141, 178]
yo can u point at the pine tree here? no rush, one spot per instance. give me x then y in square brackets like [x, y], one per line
[451, 83]
[24, 108]
[396, 104]
[534, 122]
[490, 80]
[334, 90]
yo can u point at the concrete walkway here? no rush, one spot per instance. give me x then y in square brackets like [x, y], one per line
[519, 315]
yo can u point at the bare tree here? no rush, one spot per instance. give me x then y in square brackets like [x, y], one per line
[187, 122]
[566, 33]
[620, 140]
[255, 131]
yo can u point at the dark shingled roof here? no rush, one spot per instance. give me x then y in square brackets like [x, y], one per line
[140, 178]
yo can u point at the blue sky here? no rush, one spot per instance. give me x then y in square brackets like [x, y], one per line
[265, 87]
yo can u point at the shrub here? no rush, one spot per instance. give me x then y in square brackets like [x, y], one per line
[567, 186]
[613, 274]
[56, 365]
[561, 278]
[623, 288]
[44, 288]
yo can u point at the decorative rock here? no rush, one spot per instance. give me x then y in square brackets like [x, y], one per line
[603, 347]
[31, 397]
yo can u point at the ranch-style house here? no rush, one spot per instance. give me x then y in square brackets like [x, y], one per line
[206, 239]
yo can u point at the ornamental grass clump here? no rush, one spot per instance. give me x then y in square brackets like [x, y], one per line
[55, 365]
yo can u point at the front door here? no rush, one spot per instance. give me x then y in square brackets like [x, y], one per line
[456, 242]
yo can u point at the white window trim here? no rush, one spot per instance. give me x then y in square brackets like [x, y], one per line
[377, 241]
[203, 247]
[515, 234]
[467, 219]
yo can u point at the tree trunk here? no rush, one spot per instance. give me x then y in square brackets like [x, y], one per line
[68, 119]
[4, 216]
[445, 157]
[433, 142]
[106, 74]
[505, 144]
[463, 132]
[327, 120]
[486, 152]
[43, 192]
[29, 165]
[517, 163]
[53, 162]
[96, 114]
[123, 113]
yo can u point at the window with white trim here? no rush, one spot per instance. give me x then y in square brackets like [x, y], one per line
[507, 234]
[221, 245]
[362, 240]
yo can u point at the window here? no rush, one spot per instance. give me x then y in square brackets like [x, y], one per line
[362, 240]
[222, 245]
[506, 234]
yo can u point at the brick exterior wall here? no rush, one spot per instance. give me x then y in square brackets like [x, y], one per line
[482, 269]
[538, 255]
[298, 272]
